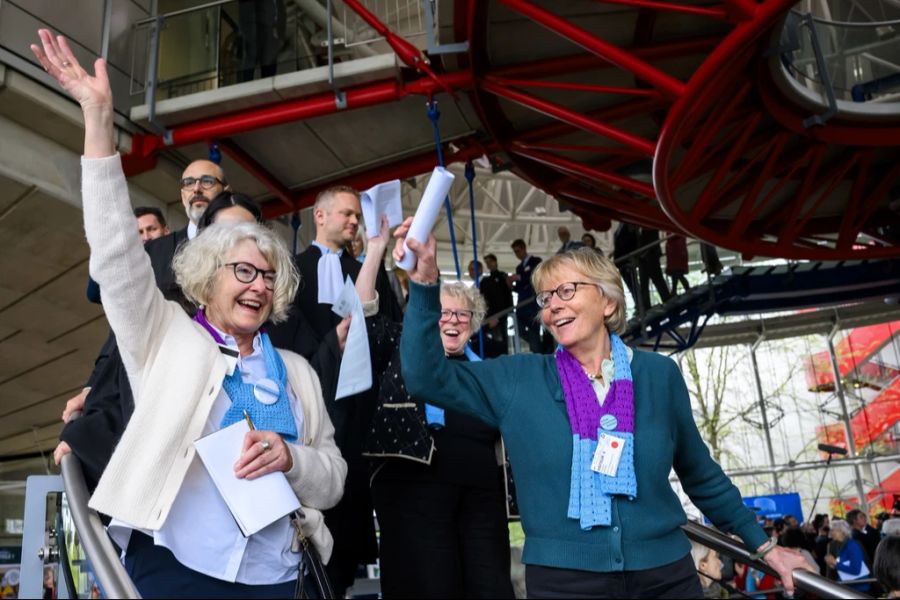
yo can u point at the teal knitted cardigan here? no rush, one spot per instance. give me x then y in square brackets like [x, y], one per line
[522, 396]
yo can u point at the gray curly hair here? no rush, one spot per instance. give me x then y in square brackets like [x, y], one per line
[196, 263]
[472, 297]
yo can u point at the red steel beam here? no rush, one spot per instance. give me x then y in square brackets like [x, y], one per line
[579, 168]
[571, 117]
[577, 87]
[622, 110]
[576, 63]
[313, 106]
[613, 150]
[249, 164]
[715, 12]
[625, 60]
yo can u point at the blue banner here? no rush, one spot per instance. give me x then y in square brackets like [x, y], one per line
[775, 506]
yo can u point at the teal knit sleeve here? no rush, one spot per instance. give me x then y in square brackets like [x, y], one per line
[480, 389]
[701, 476]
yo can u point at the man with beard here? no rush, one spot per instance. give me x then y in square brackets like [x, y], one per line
[200, 182]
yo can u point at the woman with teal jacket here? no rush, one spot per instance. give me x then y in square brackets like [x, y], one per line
[592, 434]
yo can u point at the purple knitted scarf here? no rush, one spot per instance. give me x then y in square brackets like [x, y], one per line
[590, 496]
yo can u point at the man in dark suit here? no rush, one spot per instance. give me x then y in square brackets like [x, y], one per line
[650, 268]
[107, 400]
[526, 308]
[337, 215]
[200, 182]
[495, 289]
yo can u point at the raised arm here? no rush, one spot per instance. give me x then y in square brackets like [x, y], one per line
[485, 389]
[132, 303]
[94, 94]
[365, 281]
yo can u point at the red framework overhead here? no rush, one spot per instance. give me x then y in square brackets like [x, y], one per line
[715, 149]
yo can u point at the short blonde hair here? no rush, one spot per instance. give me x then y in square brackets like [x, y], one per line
[596, 269]
[472, 297]
[197, 262]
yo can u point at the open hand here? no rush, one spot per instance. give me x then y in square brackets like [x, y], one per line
[426, 269]
[57, 59]
[257, 460]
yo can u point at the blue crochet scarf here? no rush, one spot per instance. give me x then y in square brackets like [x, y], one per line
[590, 495]
[276, 416]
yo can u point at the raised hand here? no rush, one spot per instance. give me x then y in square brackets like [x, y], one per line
[57, 59]
[92, 92]
[426, 269]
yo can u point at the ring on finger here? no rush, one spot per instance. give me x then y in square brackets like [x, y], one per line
[266, 446]
[66, 64]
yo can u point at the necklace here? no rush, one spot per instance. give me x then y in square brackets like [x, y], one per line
[592, 377]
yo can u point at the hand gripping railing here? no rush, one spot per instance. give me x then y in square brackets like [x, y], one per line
[111, 575]
[803, 580]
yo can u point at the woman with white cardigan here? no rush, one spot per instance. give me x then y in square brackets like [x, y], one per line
[192, 377]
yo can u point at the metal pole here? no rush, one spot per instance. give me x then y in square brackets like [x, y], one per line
[104, 39]
[152, 67]
[762, 411]
[845, 416]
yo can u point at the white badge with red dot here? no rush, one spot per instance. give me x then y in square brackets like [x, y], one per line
[608, 454]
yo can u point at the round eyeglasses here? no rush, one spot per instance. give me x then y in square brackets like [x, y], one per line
[206, 182]
[565, 291]
[247, 273]
[462, 315]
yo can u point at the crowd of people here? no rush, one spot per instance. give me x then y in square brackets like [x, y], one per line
[218, 322]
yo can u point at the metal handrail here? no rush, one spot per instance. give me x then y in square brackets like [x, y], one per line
[825, 21]
[111, 574]
[803, 580]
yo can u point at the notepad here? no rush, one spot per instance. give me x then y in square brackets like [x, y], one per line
[255, 504]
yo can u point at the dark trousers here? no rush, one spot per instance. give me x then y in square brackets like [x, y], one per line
[441, 540]
[530, 332]
[650, 270]
[158, 574]
[674, 580]
[257, 26]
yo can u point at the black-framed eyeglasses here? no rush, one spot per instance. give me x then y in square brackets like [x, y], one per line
[207, 182]
[565, 291]
[247, 273]
[462, 315]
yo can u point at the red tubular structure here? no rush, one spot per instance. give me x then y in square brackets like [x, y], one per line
[667, 84]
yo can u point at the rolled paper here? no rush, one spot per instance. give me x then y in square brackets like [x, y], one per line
[427, 213]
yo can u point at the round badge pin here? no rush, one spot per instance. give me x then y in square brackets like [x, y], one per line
[266, 391]
[608, 422]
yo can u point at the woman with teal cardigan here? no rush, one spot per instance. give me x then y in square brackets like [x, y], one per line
[592, 433]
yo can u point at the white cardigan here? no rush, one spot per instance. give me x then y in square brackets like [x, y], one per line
[176, 371]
